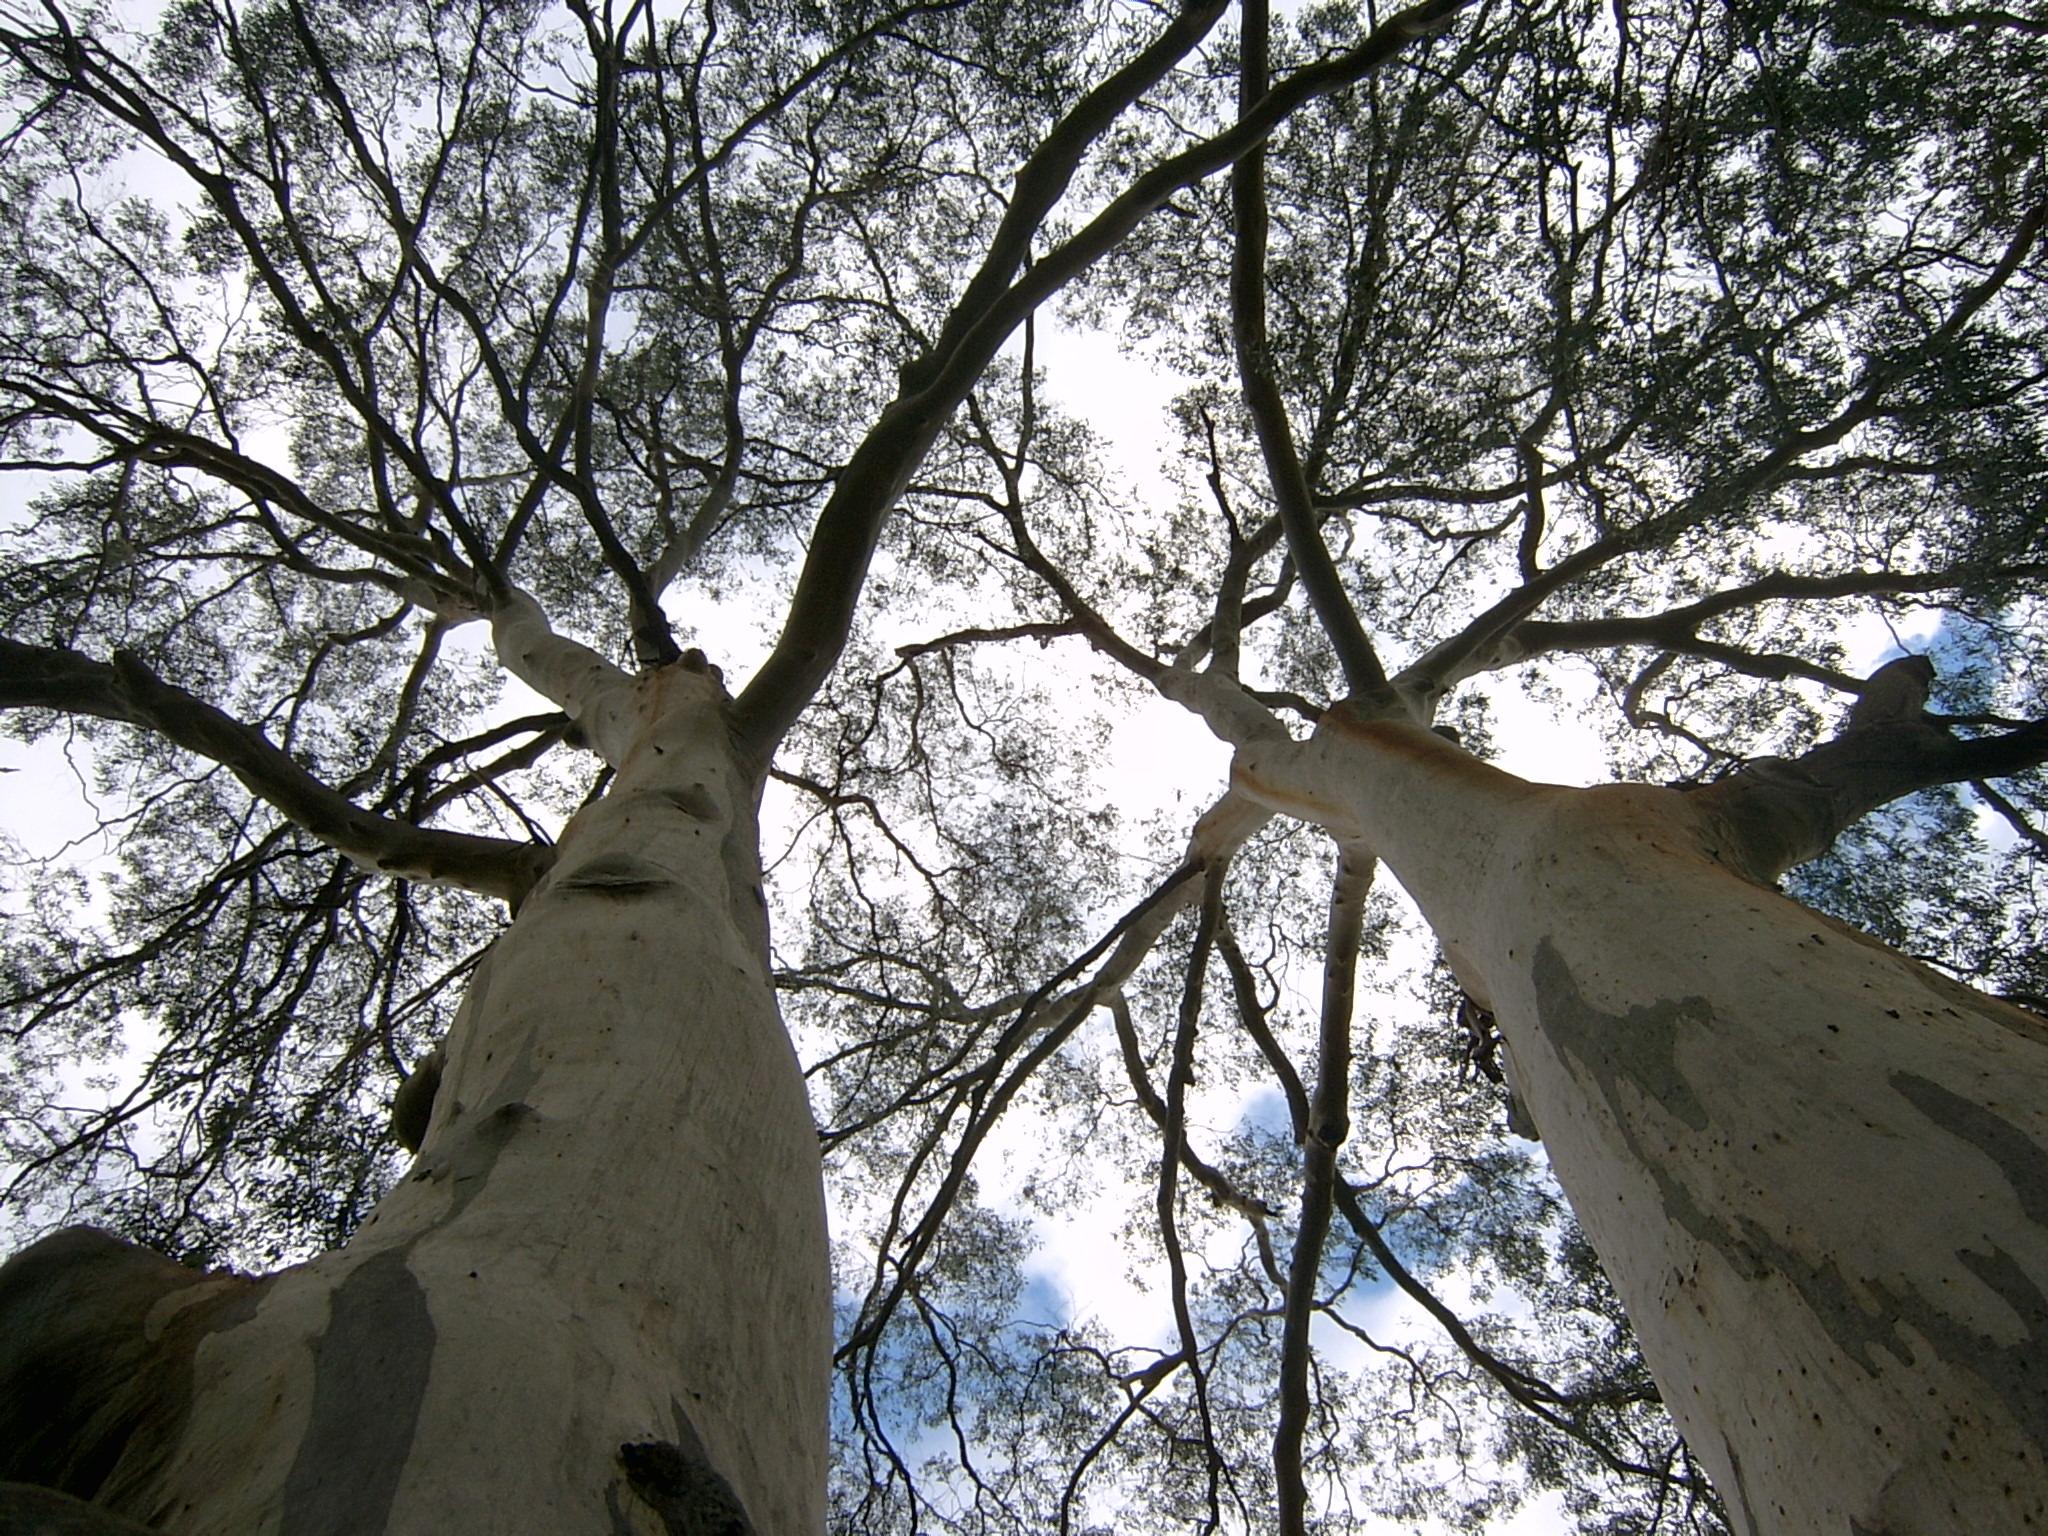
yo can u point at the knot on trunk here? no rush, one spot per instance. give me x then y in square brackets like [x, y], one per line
[412, 1107]
[682, 1487]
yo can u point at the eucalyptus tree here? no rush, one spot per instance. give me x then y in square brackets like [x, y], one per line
[1656, 349]
[1647, 341]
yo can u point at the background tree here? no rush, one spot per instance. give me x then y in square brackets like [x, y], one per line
[1635, 352]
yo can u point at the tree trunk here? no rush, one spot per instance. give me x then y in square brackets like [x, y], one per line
[1816, 1172]
[599, 1301]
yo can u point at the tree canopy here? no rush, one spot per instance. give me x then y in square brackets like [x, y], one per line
[1661, 366]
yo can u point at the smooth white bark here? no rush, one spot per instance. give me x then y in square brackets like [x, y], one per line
[602, 698]
[613, 1237]
[1816, 1172]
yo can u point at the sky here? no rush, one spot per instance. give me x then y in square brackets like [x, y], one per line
[1158, 757]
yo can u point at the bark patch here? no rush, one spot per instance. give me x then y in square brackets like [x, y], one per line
[2017, 1372]
[90, 1397]
[1860, 1316]
[1639, 1047]
[469, 1156]
[369, 1375]
[2019, 1157]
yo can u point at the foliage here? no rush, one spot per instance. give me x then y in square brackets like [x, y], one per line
[1667, 363]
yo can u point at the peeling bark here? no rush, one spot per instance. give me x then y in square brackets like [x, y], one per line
[1816, 1172]
[600, 1299]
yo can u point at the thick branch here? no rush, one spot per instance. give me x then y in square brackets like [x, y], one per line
[43, 677]
[1779, 812]
[835, 568]
[1043, 179]
[597, 695]
[1329, 1122]
[843, 543]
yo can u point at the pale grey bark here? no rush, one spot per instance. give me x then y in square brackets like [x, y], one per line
[1816, 1171]
[600, 1298]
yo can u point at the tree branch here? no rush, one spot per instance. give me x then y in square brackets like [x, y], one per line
[1458, 657]
[1180, 1077]
[843, 541]
[33, 676]
[1329, 1122]
[1776, 813]
[2014, 816]
[591, 691]
[1319, 575]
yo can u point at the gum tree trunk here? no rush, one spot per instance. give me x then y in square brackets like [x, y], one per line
[599, 1301]
[1816, 1172]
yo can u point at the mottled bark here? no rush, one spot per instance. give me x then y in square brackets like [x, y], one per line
[1816, 1172]
[599, 1301]
[96, 1343]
